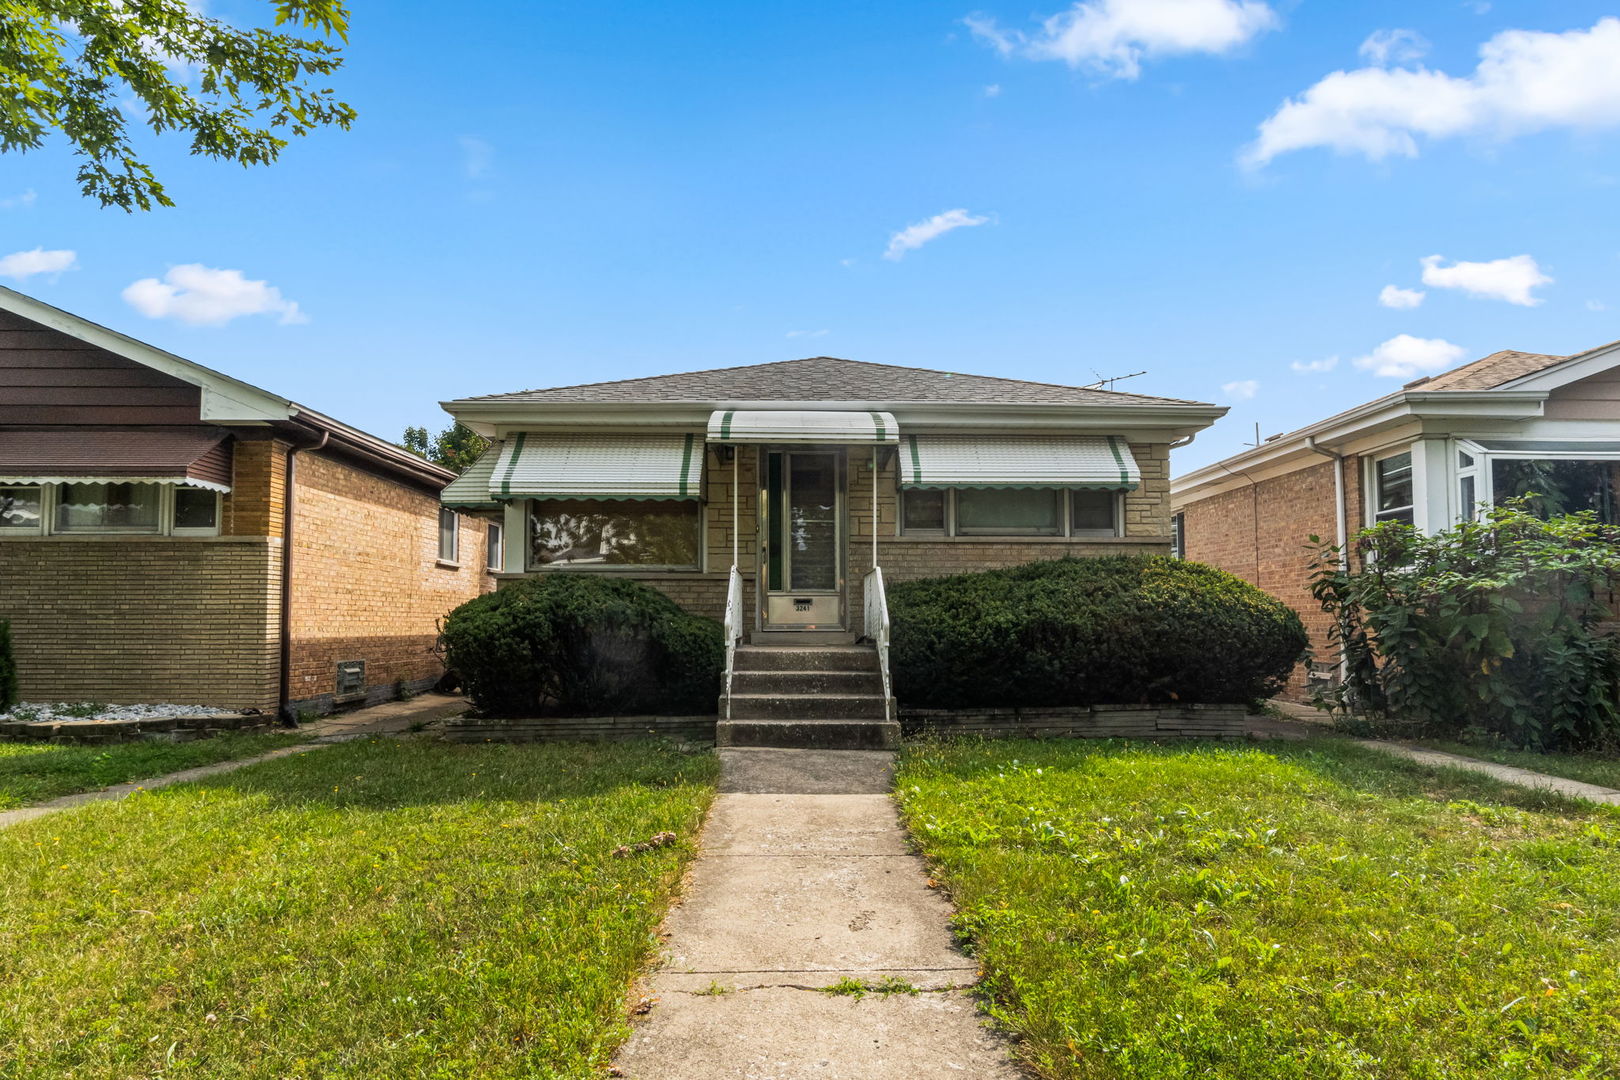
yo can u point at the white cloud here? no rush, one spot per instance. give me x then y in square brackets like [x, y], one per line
[1327, 363]
[1526, 81]
[806, 333]
[915, 236]
[1596, 305]
[993, 90]
[1500, 279]
[1393, 296]
[1242, 390]
[22, 265]
[26, 198]
[1403, 356]
[1113, 37]
[203, 296]
[477, 157]
[1384, 47]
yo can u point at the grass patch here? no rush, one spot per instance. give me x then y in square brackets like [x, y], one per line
[379, 909]
[858, 988]
[1306, 910]
[34, 772]
[1589, 768]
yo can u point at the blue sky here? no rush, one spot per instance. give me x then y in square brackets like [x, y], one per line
[543, 194]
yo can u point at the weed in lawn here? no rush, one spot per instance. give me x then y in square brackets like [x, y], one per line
[715, 989]
[1308, 911]
[857, 988]
[376, 909]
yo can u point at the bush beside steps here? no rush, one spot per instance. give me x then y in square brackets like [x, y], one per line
[1111, 630]
[583, 645]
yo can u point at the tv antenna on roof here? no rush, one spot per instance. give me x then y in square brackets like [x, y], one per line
[1106, 383]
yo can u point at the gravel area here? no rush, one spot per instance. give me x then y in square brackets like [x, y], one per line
[49, 712]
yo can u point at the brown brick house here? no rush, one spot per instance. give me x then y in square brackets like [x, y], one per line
[170, 534]
[928, 472]
[1430, 454]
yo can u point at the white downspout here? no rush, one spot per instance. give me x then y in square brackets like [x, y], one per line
[736, 496]
[874, 506]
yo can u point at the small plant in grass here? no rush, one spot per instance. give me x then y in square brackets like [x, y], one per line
[1496, 628]
[8, 669]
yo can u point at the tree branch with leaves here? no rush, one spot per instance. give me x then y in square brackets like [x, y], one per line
[94, 70]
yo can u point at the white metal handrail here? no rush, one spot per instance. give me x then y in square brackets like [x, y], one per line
[734, 627]
[877, 624]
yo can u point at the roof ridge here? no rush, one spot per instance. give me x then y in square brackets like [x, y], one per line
[837, 359]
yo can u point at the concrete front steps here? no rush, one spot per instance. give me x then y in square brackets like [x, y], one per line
[824, 697]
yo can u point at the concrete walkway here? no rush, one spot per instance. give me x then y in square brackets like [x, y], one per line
[805, 879]
[389, 718]
[1306, 721]
[1574, 789]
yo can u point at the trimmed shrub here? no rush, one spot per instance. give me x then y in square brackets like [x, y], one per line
[1114, 630]
[583, 645]
[8, 669]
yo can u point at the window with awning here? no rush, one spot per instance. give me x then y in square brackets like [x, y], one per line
[797, 426]
[538, 465]
[1054, 461]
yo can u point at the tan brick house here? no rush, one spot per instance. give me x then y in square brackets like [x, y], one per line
[170, 534]
[804, 474]
[1430, 454]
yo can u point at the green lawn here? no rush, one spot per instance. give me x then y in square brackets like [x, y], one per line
[34, 772]
[1308, 910]
[379, 909]
[1591, 768]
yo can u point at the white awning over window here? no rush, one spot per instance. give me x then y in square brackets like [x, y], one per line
[1036, 461]
[544, 465]
[472, 488]
[787, 426]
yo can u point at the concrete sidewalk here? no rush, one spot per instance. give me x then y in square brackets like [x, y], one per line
[792, 893]
[389, 718]
[1575, 789]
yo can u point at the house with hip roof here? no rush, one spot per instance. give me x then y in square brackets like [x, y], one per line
[780, 497]
[170, 534]
[1432, 454]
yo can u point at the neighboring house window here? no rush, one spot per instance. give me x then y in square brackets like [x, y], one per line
[134, 508]
[1468, 493]
[1556, 486]
[115, 508]
[21, 509]
[1178, 536]
[664, 533]
[196, 511]
[1009, 512]
[449, 534]
[1392, 488]
[494, 548]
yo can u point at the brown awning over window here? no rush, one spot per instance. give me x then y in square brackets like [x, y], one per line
[196, 457]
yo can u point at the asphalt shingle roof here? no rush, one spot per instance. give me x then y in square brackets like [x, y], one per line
[827, 378]
[1489, 372]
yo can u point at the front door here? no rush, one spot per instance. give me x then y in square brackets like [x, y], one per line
[803, 540]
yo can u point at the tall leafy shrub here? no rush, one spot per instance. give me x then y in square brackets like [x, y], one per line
[1496, 627]
[581, 645]
[8, 668]
[1114, 630]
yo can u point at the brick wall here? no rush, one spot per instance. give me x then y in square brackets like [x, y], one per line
[1260, 533]
[144, 619]
[367, 582]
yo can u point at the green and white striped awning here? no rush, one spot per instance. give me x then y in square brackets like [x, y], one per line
[793, 426]
[470, 490]
[546, 465]
[1035, 461]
